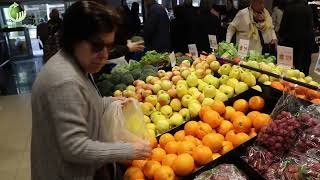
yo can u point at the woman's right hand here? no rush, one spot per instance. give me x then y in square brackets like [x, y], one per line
[135, 46]
[142, 150]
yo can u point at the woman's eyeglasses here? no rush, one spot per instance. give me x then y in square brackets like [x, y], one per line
[98, 45]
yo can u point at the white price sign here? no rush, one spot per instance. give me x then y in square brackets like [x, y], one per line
[317, 67]
[173, 59]
[285, 56]
[213, 42]
[193, 50]
[243, 47]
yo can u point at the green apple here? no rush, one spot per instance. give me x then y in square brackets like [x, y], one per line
[209, 91]
[196, 95]
[308, 79]
[146, 119]
[154, 115]
[185, 113]
[193, 90]
[302, 75]
[232, 82]
[265, 67]
[128, 93]
[186, 100]
[214, 66]
[181, 90]
[153, 99]
[151, 126]
[241, 87]
[194, 109]
[156, 88]
[263, 78]
[131, 88]
[176, 119]
[175, 104]
[256, 74]
[253, 64]
[207, 102]
[164, 99]
[159, 118]
[166, 85]
[166, 111]
[147, 108]
[249, 79]
[220, 96]
[235, 73]
[257, 87]
[301, 80]
[224, 69]
[185, 73]
[158, 106]
[223, 79]
[117, 93]
[151, 133]
[202, 85]
[149, 79]
[192, 80]
[229, 91]
[313, 83]
[162, 126]
[182, 82]
[200, 73]
[267, 83]
[161, 92]
[211, 80]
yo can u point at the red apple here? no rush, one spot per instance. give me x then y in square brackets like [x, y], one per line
[161, 73]
[175, 79]
[146, 93]
[172, 92]
[147, 86]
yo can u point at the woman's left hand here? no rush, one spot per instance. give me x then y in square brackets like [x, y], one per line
[119, 98]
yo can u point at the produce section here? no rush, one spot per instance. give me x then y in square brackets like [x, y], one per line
[210, 110]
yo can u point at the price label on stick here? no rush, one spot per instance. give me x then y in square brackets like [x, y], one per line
[193, 50]
[317, 67]
[213, 42]
[285, 56]
[173, 59]
[243, 47]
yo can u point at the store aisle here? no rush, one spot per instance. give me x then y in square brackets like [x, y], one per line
[15, 136]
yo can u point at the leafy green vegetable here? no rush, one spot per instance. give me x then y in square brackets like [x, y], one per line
[227, 50]
[154, 58]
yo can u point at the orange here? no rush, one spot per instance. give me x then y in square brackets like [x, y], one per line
[256, 103]
[150, 168]
[157, 154]
[230, 135]
[236, 115]
[229, 111]
[183, 165]
[139, 163]
[168, 160]
[241, 105]
[312, 94]
[164, 139]
[153, 142]
[226, 147]
[198, 142]
[239, 139]
[203, 130]
[164, 173]
[252, 115]
[219, 107]
[225, 127]
[212, 118]
[277, 85]
[252, 133]
[213, 141]
[261, 120]
[186, 147]
[203, 110]
[171, 147]
[202, 155]
[179, 136]
[133, 173]
[191, 127]
[191, 139]
[215, 156]
[242, 124]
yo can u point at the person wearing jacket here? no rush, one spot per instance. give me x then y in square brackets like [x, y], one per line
[157, 27]
[68, 131]
[249, 23]
[277, 13]
[296, 31]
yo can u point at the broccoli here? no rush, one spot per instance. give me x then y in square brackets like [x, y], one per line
[120, 87]
[105, 87]
[136, 73]
[115, 78]
[127, 78]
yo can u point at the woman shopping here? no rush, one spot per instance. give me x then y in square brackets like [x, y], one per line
[67, 129]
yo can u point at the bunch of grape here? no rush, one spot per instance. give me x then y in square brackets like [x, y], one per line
[307, 120]
[299, 171]
[273, 172]
[281, 134]
[310, 139]
[259, 158]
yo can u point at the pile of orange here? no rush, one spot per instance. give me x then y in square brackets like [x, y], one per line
[219, 131]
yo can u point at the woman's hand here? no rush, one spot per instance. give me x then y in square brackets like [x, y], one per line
[135, 46]
[142, 150]
[119, 98]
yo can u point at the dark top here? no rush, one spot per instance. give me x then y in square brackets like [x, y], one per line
[54, 26]
[157, 29]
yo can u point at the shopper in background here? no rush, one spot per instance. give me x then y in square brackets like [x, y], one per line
[231, 12]
[188, 13]
[277, 13]
[54, 23]
[42, 32]
[68, 139]
[157, 27]
[254, 24]
[136, 23]
[205, 23]
[296, 31]
[178, 31]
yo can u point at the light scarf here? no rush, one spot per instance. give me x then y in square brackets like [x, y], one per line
[256, 26]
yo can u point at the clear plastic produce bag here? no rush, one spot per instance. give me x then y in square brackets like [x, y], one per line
[223, 172]
[124, 122]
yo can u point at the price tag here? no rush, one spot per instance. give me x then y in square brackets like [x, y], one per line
[173, 59]
[317, 67]
[243, 47]
[285, 56]
[213, 42]
[193, 50]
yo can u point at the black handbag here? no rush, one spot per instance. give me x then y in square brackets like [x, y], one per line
[267, 48]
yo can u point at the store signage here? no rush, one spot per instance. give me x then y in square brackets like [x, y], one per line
[285, 56]
[16, 13]
[317, 67]
[193, 50]
[213, 42]
[243, 47]
[173, 59]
